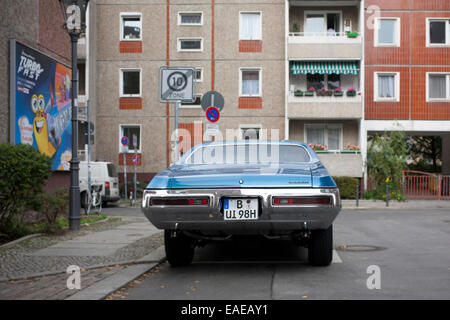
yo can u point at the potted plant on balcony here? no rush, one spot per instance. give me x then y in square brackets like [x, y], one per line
[351, 92]
[318, 146]
[295, 28]
[310, 92]
[321, 92]
[338, 92]
[353, 34]
[352, 147]
[298, 93]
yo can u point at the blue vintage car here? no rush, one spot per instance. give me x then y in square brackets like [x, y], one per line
[223, 189]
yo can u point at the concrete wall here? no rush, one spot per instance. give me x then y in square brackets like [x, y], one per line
[299, 51]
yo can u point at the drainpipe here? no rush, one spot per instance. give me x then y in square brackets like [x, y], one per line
[286, 75]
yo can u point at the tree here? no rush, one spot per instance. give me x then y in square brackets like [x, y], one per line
[386, 158]
[425, 152]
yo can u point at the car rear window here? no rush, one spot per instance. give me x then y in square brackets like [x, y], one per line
[112, 170]
[249, 153]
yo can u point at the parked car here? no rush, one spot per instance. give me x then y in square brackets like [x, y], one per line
[220, 190]
[102, 173]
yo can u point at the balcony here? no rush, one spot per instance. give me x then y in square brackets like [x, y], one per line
[325, 107]
[343, 164]
[322, 45]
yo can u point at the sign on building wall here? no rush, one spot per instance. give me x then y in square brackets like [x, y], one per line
[41, 106]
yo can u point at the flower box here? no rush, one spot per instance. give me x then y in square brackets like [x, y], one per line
[352, 34]
[338, 93]
[309, 94]
[298, 93]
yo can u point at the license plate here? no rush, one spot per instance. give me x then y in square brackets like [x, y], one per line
[240, 209]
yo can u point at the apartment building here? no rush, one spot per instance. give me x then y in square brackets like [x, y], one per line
[238, 49]
[371, 64]
[407, 69]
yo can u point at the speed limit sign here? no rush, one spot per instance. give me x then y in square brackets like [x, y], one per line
[176, 84]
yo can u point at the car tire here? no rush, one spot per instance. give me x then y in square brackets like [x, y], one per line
[179, 249]
[320, 247]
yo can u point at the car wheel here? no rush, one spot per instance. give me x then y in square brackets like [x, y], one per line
[179, 249]
[320, 247]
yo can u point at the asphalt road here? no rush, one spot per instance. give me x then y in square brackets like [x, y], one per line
[413, 256]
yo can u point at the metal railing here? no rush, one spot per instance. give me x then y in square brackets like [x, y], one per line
[320, 34]
[423, 185]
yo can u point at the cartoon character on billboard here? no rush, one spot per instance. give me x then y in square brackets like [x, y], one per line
[47, 144]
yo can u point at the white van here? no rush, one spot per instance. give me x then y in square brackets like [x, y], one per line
[103, 173]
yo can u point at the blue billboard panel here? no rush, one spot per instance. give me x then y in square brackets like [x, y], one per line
[41, 106]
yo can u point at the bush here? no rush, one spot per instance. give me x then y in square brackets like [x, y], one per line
[347, 186]
[23, 173]
[54, 205]
[130, 186]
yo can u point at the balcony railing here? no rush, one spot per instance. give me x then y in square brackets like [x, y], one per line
[324, 37]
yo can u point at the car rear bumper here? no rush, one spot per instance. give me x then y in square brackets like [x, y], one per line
[272, 217]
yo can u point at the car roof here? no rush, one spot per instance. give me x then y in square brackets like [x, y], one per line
[251, 142]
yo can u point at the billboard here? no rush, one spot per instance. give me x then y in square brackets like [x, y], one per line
[41, 106]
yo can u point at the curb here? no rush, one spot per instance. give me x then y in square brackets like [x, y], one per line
[34, 235]
[104, 288]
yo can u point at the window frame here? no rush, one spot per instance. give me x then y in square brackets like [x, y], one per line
[257, 127]
[241, 13]
[241, 70]
[201, 72]
[396, 82]
[179, 40]
[397, 32]
[180, 13]
[447, 32]
[325, 126]
[130, 15]
[325, 13]
[121, 94]
[121, 134]
[192, 106]
[447, 86]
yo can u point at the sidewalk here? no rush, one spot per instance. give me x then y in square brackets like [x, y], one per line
[119, 249]
[396, 205]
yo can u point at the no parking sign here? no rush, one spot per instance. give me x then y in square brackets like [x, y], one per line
[212, 114]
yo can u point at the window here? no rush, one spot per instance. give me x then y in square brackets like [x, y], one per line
[190, 45]
[191, 105]
[387, 86]
[330, 135]
[130, 131]
[438, 87]
[199, 75]
[130, 82]
[250, 26]
[190, 18]
[387, 32]
[319, 81]
[250, 132]
[322, 23]
[130, 26]
[250, 82]
[438, 32]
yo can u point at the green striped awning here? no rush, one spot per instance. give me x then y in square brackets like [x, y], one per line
[325, 67]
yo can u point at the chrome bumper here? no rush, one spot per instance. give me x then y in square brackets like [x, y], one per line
[272, 217]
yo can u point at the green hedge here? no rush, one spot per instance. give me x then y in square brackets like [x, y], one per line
[347, 186]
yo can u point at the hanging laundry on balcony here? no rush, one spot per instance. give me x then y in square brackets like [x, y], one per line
[325, 67]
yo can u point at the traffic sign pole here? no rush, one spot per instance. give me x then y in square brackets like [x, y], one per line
[177, 107]
[125, 172]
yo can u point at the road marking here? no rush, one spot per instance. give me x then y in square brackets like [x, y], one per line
[336, 258]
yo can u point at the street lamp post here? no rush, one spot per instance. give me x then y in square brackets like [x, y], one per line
[74, 12]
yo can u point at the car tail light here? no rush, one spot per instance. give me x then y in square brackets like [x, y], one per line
[286, 201]
[107, 185]
[179, 201]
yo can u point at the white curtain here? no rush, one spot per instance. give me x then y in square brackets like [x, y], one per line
[437, 87]
[251, 26]
[250, 82]
[334, 137]
[386, 86]
[315, 25]
[386, 33]
[315, 136]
